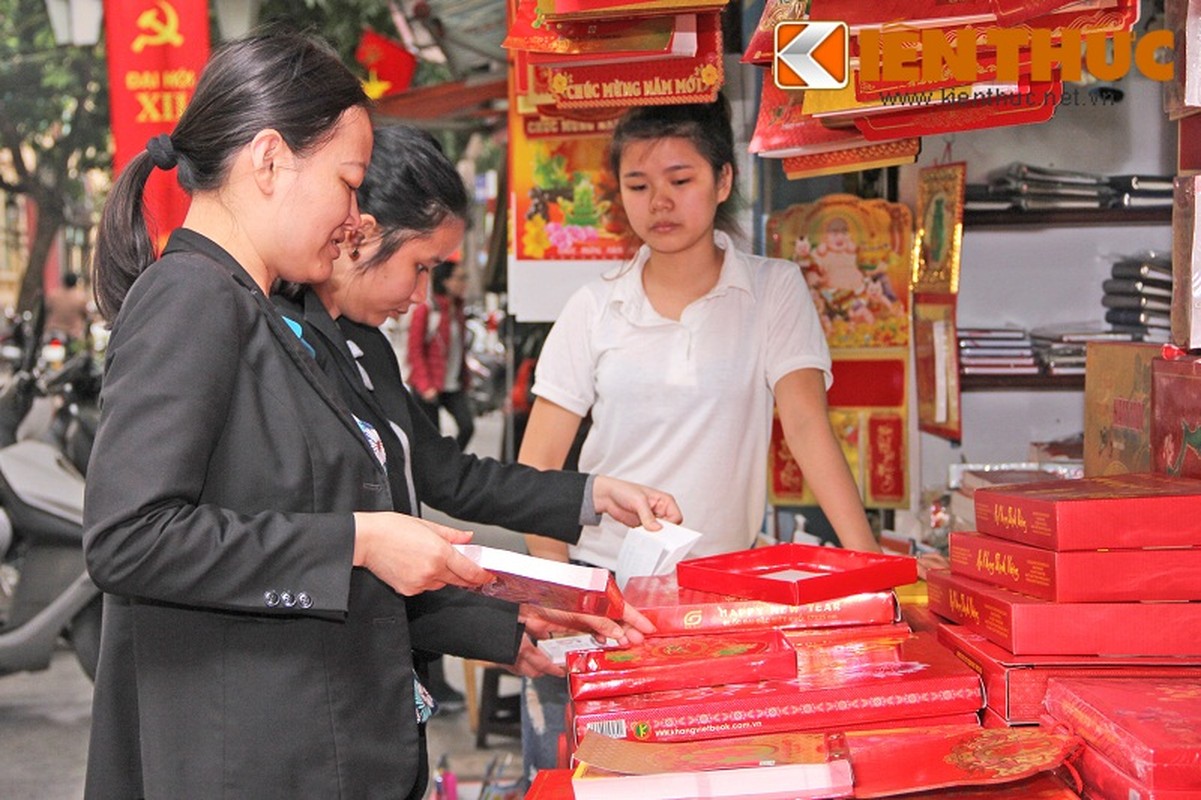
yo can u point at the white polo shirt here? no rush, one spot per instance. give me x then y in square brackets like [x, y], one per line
[683, 406]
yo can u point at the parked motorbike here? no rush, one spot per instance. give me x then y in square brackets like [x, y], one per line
[45, 592]
[486, 360]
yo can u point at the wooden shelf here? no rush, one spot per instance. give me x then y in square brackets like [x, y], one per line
[1066, 217]
[1049, 383]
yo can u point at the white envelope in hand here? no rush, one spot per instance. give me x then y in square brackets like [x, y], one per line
[653, 552]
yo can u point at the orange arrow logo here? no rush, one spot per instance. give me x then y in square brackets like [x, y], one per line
[811, 55]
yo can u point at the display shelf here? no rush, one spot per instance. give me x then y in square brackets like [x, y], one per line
[989, 383]
[1066, 217]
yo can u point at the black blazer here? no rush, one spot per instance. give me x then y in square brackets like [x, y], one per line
[462, 485]
[242, 656]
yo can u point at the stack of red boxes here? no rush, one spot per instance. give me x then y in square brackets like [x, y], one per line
[1089, 577]
[851, 665]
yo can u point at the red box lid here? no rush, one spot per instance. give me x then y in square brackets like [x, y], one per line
[796, 573]
[1138, 509]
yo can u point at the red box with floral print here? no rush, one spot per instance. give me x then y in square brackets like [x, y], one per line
[885, 680]
[680, 662]
[1149, 729]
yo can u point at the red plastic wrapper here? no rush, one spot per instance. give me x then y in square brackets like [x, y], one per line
[884, 681]
[680, 662]
[1079, 576]
[1028, 626]
[793, 574]
[1149, 729]
[1014, 686]
[1138, 509]
[674, 609]
[1102, 778]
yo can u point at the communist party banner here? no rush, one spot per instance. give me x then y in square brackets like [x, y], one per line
[156, 50]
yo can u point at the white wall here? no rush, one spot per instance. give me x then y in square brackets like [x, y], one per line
[1030, 276]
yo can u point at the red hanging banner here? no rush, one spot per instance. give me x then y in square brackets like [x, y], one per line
[156, 50]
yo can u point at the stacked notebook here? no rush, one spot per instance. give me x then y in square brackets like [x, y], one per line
[996, 351]
[1027, 187]
[1138, 296]
[1061, 348]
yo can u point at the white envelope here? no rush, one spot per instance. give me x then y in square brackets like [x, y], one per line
[646, 552]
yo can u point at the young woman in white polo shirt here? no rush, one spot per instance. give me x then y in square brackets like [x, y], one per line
[679, 355]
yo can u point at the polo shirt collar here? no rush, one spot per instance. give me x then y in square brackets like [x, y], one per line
[629, 299]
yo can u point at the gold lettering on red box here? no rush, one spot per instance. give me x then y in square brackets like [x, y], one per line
[964, 605]
[998, 564]
[1009, 517]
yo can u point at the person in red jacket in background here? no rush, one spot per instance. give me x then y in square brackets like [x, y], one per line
[438, 351]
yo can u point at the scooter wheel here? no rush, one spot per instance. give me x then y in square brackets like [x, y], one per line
[84, 635]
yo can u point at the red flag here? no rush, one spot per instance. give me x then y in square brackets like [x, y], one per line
[156, 51]
[389, 65]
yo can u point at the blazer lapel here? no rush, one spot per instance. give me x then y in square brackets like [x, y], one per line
[306, 364]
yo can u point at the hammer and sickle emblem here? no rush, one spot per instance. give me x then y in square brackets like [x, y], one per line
[156, 30]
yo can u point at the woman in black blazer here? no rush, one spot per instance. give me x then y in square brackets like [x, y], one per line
[413, 205]
[256, 638]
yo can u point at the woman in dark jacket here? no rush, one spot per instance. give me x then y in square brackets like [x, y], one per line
[413, 205]
[256, 638]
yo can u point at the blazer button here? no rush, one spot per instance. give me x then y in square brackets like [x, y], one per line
[287, 599]
[303, 600]
[271, 598]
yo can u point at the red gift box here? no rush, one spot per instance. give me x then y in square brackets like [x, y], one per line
[793, 574]
[681, 662]
[1014, 686]
[1078, 576]
[520, 578]
[885, 681]
[1138, 509]
[1026, 625]
[1149, 729]
[673, 609]
[1102, 778]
